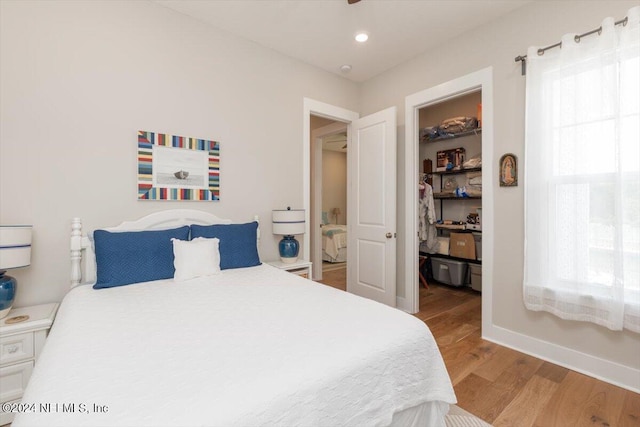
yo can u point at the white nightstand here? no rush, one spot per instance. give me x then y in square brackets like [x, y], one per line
[300, 267]
[20, 346]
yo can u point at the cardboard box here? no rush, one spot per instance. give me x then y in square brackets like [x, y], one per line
[443, 245]
[449, 159]
[462, 245]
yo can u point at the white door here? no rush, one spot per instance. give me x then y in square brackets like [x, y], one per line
[371, 207]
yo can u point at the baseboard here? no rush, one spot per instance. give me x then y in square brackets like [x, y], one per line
[402, 304]
[604, 370]
[333, 266]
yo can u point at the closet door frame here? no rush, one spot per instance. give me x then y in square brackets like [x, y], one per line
[479, 80]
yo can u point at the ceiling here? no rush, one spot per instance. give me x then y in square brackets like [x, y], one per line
[321, 32]
[337, 142]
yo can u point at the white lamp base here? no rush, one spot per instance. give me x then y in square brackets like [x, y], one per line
[288, 260]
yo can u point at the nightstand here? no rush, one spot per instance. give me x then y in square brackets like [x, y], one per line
[300, 267]
[20, 346]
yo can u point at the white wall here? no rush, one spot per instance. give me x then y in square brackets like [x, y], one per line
[496, 45]
[79, 79]
[334, 184]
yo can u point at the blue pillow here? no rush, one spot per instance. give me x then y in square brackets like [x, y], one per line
[325, 218]
[238, 243]
[135, 256]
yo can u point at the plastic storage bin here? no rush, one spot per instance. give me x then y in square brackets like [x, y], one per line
[478, 240]
[449, 271]
[476, 277]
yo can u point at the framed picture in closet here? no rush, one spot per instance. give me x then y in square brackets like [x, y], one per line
[508, 170]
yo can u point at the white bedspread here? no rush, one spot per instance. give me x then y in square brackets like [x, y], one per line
[334, 238]
[253, 346]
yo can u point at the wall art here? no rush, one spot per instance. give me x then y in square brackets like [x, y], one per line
[508, 170]
[177, 168]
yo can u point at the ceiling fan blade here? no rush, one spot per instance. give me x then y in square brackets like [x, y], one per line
[352, 1]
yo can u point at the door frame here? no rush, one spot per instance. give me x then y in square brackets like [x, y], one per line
[317, 108]
[316, 140]
[479, 80]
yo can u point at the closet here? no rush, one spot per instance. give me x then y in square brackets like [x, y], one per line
[450, 152]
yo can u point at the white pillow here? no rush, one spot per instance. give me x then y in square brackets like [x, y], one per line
[195, 258]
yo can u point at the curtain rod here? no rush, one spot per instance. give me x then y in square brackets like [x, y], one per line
[542, 50]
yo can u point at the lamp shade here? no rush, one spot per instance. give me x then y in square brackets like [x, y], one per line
[15, 246]
[337, 211]
[288, 222]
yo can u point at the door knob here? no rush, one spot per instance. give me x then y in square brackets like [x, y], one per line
[389, 235]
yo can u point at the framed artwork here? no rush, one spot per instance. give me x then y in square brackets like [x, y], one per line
[177, 168]
[508, 170]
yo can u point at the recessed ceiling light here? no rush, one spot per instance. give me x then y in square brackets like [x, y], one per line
[362, 37]
[345, 68]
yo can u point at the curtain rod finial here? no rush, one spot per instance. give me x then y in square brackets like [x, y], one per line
[523, 63]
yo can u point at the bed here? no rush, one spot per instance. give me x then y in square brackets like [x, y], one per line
[243, 346]
[334, 243]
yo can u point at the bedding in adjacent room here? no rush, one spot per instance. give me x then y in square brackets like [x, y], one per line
[249, 346]
[334, 242]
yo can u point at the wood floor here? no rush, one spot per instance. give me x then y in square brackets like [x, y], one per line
[505, 387]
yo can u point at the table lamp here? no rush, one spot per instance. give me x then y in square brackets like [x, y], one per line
[288, 223]
[337, 212]
[15, 252]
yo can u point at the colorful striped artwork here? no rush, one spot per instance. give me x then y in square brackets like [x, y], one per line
[177, 168]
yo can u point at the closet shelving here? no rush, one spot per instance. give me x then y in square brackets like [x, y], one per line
[457, 171]
[451, 207]
[451, 196]
[475, 131]
[470, 261]
[452, 227]
[429, 173]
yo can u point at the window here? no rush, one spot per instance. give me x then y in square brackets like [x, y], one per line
[582, 185]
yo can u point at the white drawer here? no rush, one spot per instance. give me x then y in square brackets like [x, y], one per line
[7, 417]
[13, 380]
[304, 271]
[14, 348]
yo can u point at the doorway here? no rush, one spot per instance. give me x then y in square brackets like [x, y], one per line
[371, 198]
[451, 131]
[329, 200]
[481, 81]
[325, 115]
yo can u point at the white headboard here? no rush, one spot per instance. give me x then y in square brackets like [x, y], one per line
[86, 262]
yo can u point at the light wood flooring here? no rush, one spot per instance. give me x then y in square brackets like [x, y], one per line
[505, 387]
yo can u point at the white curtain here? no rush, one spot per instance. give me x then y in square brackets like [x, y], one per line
[582, 182]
